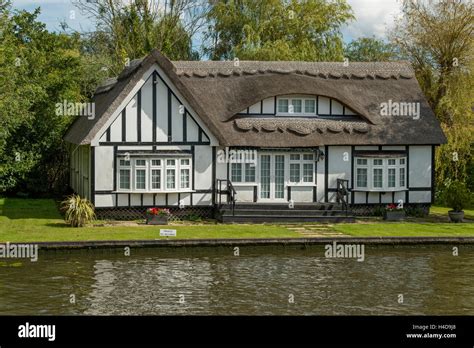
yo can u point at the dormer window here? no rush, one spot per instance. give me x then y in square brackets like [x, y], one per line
[296, 106]
[299, 105]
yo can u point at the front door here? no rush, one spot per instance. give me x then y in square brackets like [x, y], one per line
[272, 177]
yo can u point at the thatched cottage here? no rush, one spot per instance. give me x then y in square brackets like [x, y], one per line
[256, 141]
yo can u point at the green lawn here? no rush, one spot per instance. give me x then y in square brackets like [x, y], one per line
[437, 210]
[407, 229]
[36, 220]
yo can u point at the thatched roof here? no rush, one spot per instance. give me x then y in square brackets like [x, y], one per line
[217, 91]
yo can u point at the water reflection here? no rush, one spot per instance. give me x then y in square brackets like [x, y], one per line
[259, 281]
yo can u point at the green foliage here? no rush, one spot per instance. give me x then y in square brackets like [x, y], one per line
[37, 70]
[277, 30]
[77, 211]
[130, 30]
[379, 210]
[415, 211]
[369, 49]
[193, 217]
[437, 38]
[457, 196]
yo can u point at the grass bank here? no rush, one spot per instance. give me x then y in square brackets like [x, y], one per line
[37, 220]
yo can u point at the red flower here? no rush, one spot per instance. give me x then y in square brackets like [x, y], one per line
[158, 211]
[152, 211]
[392, 207]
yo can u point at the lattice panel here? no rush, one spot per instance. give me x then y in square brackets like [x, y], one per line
[137, 213]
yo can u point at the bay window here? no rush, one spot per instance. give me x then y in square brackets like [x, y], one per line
[154, 174]
[380, 174]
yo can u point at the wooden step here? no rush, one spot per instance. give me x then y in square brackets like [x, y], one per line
[285, 218]
[278, 212]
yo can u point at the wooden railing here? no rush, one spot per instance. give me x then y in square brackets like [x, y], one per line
[228, 190]
[342, 193]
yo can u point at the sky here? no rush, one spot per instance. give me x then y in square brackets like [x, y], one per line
[373, 17]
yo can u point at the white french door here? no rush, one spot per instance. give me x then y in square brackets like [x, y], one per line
[272, 177]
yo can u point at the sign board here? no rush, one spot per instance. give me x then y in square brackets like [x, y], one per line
[167, 233]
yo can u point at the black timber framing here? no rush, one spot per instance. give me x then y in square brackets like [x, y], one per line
[407, 192]
[154, 107]
[92, 179]
[433, 172]
[170, 118]
[326, 174]
[352, 174]
[193, 151]
[213, 175]
[124, 125]
[202, 134]
[139, 115]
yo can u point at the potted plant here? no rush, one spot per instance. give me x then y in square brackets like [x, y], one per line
[157, 216]
[457, 197]
[394, 212]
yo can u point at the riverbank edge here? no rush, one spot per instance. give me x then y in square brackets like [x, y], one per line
[249, 242]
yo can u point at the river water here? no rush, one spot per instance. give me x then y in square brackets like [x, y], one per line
[260, 281]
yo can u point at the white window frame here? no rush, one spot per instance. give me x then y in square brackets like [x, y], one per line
[136, 168]
[370, 166]
[291, 111]
[244, 167]
[128, 167]
[301, 162]
[182, 167]
[149, 167]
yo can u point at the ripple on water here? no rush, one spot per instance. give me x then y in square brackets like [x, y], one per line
[260, 281]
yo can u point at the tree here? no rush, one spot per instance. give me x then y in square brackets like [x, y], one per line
[276, 29]
[130, 30]
[369, 49]
[437, 37]
[37, 70]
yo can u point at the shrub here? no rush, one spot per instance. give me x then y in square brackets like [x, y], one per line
[77, 211]
[416, 211]
[193, 217]
[457, 196]
[379, 210]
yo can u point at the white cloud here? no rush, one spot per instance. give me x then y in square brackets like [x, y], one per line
[373, 18]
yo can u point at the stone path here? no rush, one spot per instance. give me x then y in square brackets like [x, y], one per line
[314, 231]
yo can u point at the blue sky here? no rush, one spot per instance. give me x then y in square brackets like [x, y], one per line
[373, 17]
